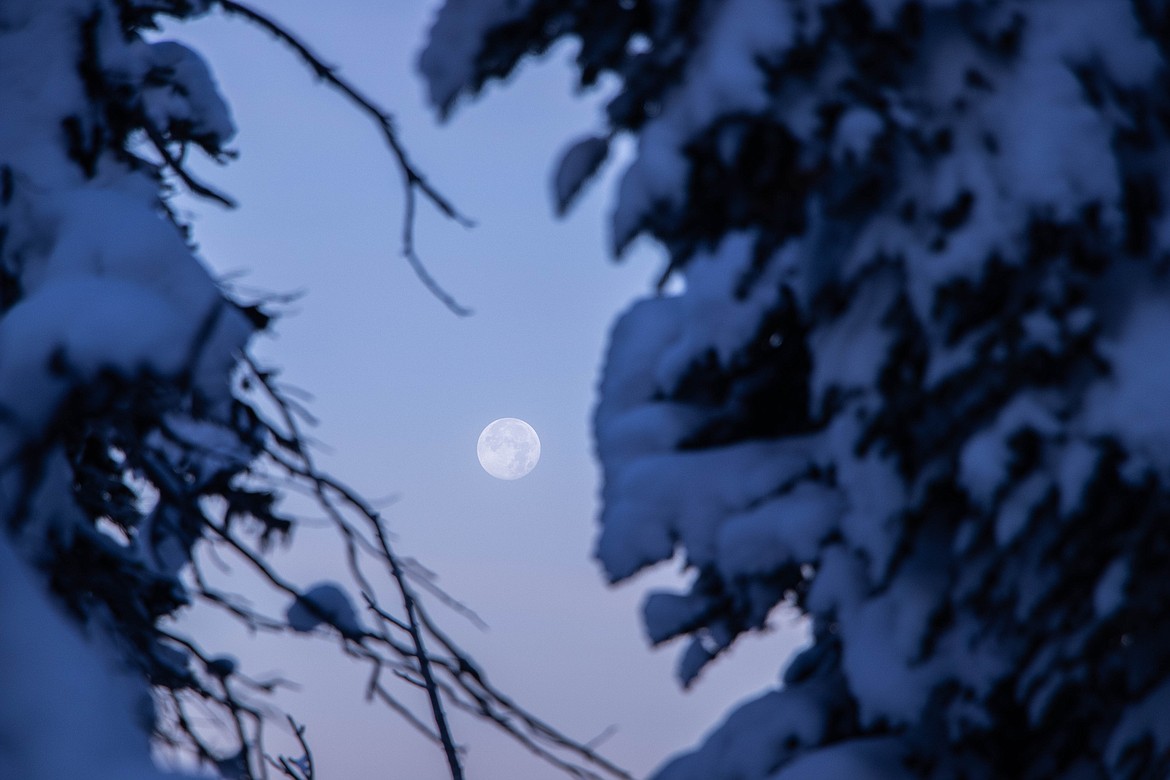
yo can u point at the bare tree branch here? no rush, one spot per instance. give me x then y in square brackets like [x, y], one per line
[413, 181]
[176, 165]
[463, 683]
[296, 768]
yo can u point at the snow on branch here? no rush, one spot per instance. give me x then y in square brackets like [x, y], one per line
[913, 384]
[142, 449]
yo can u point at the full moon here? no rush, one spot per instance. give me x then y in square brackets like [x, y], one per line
[508, 448]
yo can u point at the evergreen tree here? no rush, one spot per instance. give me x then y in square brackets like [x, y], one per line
[138, 437]
[915, 385]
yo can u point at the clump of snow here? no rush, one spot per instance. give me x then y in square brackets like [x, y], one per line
[856, 132]
[877, 758]
[851, 348]
[1078, 461]
[325, 602]
[723, 77]
[68, 710]
[182, 94]
[100, 291]
[1131, 402]
[203, 448]
[986, 458]
[711, 314]
[666, 615]
[579, 163]
[1018, 506]
[659, 499]
[448, 63]
[1145, 727]
[1110, 591]
[784, 530]
[758, 736]
[874, 499]
[68, 330]
[222, 666]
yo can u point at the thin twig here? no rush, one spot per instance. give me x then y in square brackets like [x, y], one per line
[403, 712]
[413, 180]
[424, 577]
[305, 763]
[424, 661]
[160, 144]
[464, 669]
[407, 644]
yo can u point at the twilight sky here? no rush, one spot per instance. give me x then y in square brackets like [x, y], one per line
[403, 387]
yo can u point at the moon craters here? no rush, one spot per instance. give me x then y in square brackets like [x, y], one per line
[508, 448]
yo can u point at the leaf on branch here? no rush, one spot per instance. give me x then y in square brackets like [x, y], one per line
[578, 165]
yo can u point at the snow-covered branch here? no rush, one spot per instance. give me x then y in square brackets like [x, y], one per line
[139, 441]
[913, 384]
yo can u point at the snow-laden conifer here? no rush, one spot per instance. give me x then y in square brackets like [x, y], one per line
[142, 447]
[915, 384]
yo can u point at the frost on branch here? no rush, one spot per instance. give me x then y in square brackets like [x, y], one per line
[915, 386]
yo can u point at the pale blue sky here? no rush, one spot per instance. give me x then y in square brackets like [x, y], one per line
[403, 387]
